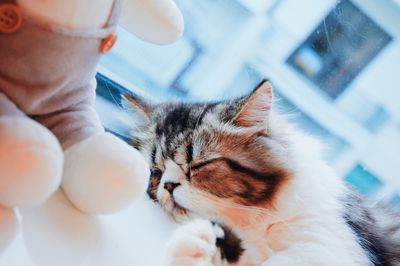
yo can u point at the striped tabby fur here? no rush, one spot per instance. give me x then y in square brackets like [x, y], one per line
[239, 164]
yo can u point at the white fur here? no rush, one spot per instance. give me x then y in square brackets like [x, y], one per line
[304, 226]
[102, 174]
[31, 162]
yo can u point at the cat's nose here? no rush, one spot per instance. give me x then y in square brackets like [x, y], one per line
[170, 186]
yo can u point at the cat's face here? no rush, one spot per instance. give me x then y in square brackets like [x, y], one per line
[210, 159]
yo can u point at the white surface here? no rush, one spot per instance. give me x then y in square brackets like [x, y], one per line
[58, 234]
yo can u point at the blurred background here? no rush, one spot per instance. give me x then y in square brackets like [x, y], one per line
[335, 67]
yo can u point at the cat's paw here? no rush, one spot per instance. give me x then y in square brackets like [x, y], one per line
[194, 244]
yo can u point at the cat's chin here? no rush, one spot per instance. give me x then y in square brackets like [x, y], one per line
[178, 208]
[179, 214]
[174, 209]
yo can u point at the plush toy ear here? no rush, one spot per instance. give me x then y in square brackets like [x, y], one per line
[255, 108]
[138, 106]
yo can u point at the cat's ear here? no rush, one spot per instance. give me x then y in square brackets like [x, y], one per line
[255, 108]
[137, 105]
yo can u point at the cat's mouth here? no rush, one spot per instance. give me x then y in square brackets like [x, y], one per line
[169, 204]
[178, 212]
[178, 207]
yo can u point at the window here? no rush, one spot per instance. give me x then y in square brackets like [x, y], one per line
[363, 181]
[368, 112]
[339, 48]
[172, 71]
[376, 119]
[108, 105]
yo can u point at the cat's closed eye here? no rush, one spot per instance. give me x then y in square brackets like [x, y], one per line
[199, 165]
[155, 172]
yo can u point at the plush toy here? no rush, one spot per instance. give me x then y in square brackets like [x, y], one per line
[49, 130]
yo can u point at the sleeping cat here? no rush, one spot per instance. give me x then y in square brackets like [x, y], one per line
[265, 196]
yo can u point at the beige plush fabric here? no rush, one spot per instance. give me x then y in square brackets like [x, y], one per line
[47, 72]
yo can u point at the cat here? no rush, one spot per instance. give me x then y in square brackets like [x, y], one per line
[265, 195]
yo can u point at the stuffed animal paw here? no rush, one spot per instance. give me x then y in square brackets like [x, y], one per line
[8, 227]
[194, 244]
[102, 174]
[31, 162]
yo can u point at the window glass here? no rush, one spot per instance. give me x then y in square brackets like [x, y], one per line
[363, 181]
[339, 48]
